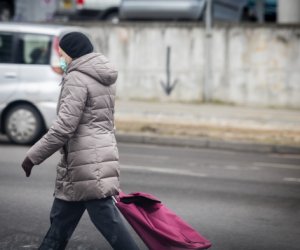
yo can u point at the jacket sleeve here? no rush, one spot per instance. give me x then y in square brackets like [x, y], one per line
[72, 103]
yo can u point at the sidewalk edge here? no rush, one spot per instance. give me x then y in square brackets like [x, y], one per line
[181, 141]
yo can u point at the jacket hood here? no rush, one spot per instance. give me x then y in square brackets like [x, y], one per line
[96, 66]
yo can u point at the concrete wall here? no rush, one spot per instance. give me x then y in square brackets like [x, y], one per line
[255, 66]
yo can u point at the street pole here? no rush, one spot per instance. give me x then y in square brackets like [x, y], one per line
[208, 54]
[288, 11]
[260, 10]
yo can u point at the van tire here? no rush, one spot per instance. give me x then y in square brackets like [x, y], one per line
[23, 124]
[112, 17]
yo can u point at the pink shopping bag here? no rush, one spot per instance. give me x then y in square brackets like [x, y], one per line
[158, 227]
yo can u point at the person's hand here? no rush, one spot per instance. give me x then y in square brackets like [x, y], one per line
[27, 165]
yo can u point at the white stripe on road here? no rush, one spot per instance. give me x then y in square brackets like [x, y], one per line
[291, 179]
[276, 165]
[232, 167]
[162, 170]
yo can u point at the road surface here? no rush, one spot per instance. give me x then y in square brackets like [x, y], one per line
[239, 201]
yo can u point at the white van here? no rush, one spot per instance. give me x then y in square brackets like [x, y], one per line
[29, 79]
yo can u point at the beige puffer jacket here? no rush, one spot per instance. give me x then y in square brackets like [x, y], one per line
[84, 131]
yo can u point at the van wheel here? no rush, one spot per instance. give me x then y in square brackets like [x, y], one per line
[5, 12]
[23, 124]
[112, 17]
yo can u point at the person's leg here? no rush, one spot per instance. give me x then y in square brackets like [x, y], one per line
[108, 221]
[64, 218]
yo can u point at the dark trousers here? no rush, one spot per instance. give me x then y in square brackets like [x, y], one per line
[65, 216]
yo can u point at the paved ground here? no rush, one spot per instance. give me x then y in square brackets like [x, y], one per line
[240, 201]
[218, 122]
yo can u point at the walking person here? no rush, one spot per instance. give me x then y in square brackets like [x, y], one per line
[88, 172]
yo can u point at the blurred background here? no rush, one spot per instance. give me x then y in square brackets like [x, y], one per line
[207, 113]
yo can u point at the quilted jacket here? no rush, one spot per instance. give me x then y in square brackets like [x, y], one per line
[84, 132]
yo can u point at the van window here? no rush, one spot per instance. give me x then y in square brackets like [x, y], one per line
[6, 47]
[33, 49]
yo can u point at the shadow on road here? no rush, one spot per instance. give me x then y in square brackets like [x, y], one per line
[5, 141]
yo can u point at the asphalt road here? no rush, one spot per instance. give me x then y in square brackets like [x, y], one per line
[239, 201]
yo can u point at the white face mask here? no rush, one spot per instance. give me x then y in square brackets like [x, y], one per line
[63, 64]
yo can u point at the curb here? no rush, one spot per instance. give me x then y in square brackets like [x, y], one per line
[200, 143]
[205, 143]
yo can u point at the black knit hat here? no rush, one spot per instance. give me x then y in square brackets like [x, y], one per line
[76, 44]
